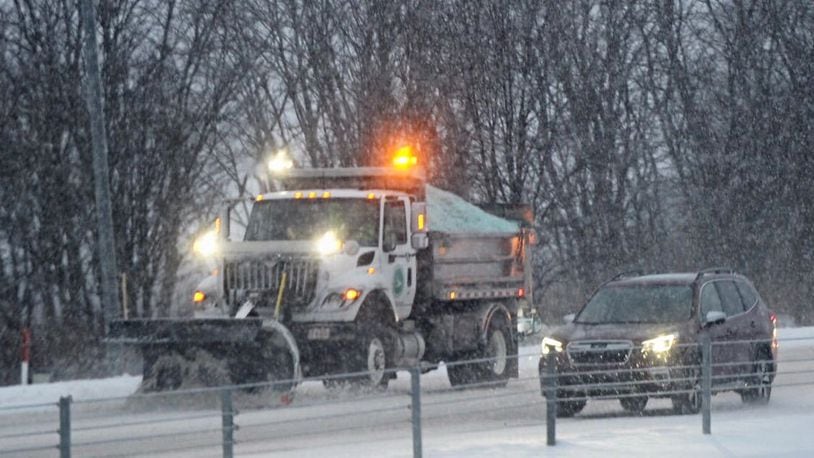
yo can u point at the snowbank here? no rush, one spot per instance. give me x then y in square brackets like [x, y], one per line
[43, 393]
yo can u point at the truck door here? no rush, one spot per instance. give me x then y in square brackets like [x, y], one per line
[399, 263]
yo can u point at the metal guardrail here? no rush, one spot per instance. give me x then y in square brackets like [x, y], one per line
[86, 424]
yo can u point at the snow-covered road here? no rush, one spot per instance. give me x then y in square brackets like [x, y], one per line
[501, 422]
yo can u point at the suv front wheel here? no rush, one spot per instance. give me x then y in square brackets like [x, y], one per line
[687, 403]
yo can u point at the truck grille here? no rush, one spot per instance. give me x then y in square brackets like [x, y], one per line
[265, 276]
[599, 353]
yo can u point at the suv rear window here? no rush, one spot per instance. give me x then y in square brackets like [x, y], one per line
[638, 304]
[748, 294]
[729, 297]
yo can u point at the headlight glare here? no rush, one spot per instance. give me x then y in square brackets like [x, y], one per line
[328, 244]
[660, 344]
[549, 344]
[206, 245]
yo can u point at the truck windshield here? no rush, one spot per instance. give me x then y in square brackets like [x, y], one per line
[638, 304]
[309, 219]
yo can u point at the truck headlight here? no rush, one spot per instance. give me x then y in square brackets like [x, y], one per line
[328, 244]
[207, 244]
[549, 344]
[660, 344]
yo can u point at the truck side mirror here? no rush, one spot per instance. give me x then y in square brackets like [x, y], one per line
[419, 241]
[389, 243]
[351, 247]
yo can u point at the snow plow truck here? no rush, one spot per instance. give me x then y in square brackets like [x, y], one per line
[357, 270]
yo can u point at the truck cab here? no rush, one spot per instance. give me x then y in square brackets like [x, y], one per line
[335, 247]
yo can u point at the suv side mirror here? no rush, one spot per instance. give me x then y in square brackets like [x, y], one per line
[714, 317]
[568, 319]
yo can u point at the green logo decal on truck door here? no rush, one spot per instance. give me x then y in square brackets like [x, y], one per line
[398, 281]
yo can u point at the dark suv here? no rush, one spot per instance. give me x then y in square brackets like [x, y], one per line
[639, 337]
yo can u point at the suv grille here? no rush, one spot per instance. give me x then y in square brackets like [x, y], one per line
[599, 352]
[265, 276]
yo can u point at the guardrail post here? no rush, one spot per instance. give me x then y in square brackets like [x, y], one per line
[415, 394]
[227, 415]
[706, 382]
[65, 427]
[551, 398]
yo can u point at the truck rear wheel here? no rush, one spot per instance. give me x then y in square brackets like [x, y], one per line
[459, 375]
[494, 370]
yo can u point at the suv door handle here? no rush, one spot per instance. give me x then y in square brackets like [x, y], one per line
[753, 324]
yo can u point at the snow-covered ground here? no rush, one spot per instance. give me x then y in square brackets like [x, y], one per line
[472, 423]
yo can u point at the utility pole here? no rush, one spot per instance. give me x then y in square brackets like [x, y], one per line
[93, 98]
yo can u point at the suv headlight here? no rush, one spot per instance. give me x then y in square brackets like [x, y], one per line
[549, 344]
[660, 344]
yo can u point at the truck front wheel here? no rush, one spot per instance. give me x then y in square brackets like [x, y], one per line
[369, 362]
[375, 363]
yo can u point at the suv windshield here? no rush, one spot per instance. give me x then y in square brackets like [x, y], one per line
[638, 304]
[309, 219]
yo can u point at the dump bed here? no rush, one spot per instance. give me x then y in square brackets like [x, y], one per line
[473, 254]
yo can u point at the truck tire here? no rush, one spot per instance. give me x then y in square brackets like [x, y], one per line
[497, 350]
[373, 352]
[491, 373]
[375, 361]
[460, 375]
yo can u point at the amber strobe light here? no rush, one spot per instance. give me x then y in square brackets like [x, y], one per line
[404, 157]
[199, 296]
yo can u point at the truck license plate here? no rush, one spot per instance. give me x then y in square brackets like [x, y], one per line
[319, 333]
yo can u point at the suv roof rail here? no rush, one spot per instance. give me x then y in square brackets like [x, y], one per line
[714, 270]
[627, 273]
